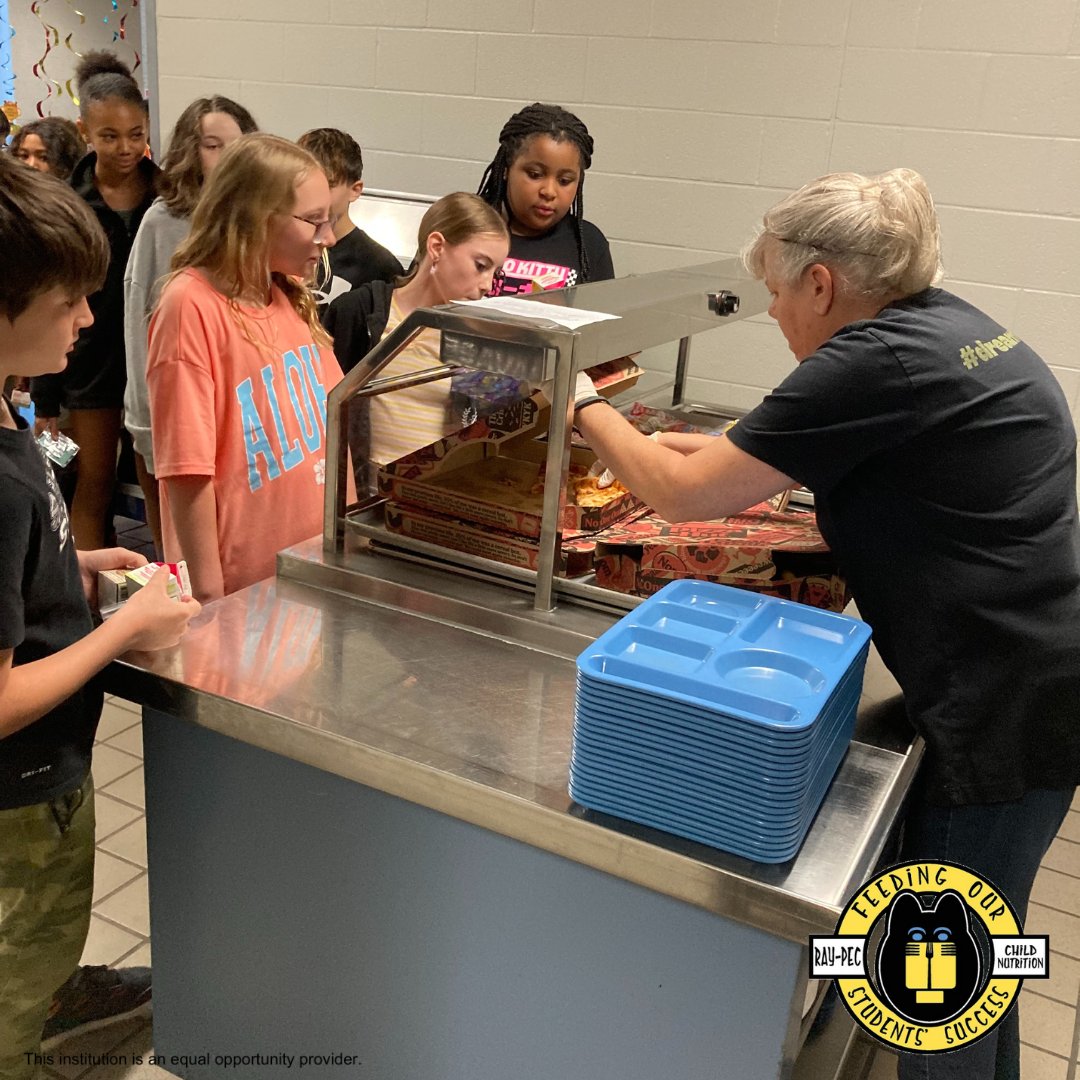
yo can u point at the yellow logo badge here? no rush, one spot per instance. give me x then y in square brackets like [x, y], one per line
[928, 957]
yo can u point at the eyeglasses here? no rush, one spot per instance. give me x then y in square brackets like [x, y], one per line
[318, 226]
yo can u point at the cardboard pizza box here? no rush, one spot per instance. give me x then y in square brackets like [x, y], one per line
[778, 554]
[573, 558]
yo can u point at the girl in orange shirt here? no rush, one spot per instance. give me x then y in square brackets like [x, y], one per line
[239, 368]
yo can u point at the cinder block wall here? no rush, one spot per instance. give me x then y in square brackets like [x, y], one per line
[704, 113]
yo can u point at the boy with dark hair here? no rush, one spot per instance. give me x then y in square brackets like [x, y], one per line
[52, 253]
[355, 259]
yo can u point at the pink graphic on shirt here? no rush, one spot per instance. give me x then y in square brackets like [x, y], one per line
[520, 275]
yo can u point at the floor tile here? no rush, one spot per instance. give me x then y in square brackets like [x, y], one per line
[1064, 930]
[140, 957]
[136, 1051]
[1055, 889]
[883, 1067]
[110, 873]
[109, 764]
[1036, 1064]
[107, 1040]
[1064, 855]
[130, 741]
[130, 706]
[1070, 827]
[114, 720]
[1047, 1024]
[1064, 982]
[1076, 800]
[112, 815]
[129, 843]
[130, 907]
[128, 788]
[105, 943]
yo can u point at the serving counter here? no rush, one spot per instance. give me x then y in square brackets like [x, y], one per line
[360, 842]
[361, 846]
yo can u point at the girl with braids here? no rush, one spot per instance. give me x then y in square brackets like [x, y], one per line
[535, 181]
[117, 181]
[52, 145]
[202, 132]
[239, 368]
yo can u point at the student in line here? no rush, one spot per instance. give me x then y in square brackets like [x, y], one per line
[52, 144]
[52, 252]
[536, 181]
[355, 258]
[117, 181]
[240, 367]
[204, 129]
[461, 244]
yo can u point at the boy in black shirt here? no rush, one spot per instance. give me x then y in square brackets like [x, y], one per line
[355, 259]
[52, 253]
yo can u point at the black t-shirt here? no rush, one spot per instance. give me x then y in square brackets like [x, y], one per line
[552, 261]
[355, 260]
[42, 610]
[943, 460]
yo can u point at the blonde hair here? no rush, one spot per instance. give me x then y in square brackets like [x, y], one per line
[458, 217]
[878, 234]
[231, 228]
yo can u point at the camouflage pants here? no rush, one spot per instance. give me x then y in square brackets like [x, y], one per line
[46, 888]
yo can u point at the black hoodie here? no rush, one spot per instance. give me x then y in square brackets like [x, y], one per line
[97, 372]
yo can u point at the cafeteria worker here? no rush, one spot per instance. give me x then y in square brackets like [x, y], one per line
[942, 458]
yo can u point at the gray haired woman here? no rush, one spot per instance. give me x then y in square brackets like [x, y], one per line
[942, 455]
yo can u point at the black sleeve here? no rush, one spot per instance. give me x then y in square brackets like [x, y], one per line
[14, 550]
[600, 265]
[848, 401]
[346, 322]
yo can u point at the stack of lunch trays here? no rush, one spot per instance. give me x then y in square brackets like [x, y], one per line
[719, 715]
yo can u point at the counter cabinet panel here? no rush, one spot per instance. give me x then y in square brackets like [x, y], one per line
[294, 911]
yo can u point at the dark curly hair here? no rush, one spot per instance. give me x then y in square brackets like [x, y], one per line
[181, 176]
[60, 137]
[560, 125]
[102, 76]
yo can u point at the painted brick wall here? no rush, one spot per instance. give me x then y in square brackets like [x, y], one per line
[704, 113]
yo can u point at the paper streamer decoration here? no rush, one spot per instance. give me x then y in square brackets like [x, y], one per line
[115, 20]
[7, 71]
[52, 38]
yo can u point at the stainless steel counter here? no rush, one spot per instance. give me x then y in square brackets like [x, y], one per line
[456, 695]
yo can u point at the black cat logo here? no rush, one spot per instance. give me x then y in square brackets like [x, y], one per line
[928, 962]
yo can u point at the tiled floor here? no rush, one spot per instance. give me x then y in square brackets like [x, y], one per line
[120, 924]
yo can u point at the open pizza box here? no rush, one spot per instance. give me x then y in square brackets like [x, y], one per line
[491, 473]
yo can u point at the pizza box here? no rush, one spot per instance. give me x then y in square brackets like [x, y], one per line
[778, 554]
[492, 472]
[574, 554]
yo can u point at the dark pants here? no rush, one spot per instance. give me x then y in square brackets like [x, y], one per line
[1004, 843]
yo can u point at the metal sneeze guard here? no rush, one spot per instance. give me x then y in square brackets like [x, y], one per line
[652, 309]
